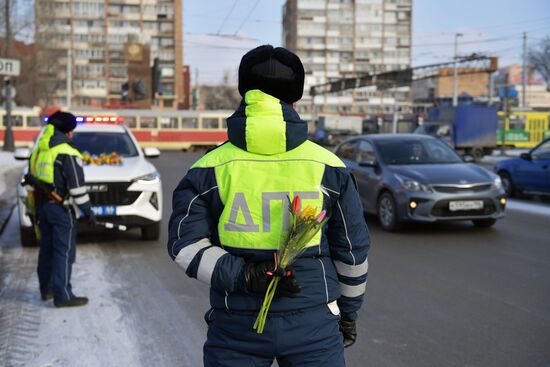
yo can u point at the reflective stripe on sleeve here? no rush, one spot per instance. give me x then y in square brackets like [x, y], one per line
[352, 271]
[353, 290]
[208, 262]
[78, 191]
[82, 199]
[186, 254]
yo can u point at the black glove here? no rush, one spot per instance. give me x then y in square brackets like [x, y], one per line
[92, 221]
[258, 276]
[347, 328]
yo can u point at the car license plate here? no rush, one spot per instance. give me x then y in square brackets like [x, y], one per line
[104, 210]
[465, 205]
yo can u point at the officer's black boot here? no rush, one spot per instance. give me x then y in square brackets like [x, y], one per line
[46, 295]
[73, 302]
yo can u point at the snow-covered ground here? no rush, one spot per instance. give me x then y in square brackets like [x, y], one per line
[129, 321]
[497, 156]
[8, 167]
[35, 333]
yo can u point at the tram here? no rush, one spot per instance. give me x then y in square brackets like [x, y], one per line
[165, 129]
[523, 129]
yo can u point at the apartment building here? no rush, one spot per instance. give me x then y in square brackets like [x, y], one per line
[346, 38]
[94, 37]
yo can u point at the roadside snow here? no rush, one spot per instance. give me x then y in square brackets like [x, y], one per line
[98, 334]
[93, 335]
[8, 167]
[497, 157]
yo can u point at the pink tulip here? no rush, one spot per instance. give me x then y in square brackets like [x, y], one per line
[321, 216]
[296, 204]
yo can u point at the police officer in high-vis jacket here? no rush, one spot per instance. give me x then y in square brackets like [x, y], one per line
[58, 164]
[228, 216]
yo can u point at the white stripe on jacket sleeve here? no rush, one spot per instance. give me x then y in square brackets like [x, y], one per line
[188, 253]
[78, 191]
[208, 262]
[82, 199]
[352, 291]
[352, 271]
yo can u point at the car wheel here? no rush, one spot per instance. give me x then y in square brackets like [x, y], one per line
[484, 223]
[387, 212]
[150, 233]
[477, 154]
[28, 237]
[507, 184]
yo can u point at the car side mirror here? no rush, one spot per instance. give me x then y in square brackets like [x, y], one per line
[151, 152]
[22, 154]
[369, 162]
[468, 159]
[526, 156]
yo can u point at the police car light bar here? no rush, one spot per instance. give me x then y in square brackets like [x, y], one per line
[92, 119]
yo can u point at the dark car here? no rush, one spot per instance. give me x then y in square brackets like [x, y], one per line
[410, 177]
[528, 174]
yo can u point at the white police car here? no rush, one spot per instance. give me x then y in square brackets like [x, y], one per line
[124, 187]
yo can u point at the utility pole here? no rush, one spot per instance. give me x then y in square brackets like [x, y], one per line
[455, 71]
[506, 118]
[490, 91]
[395, 112]
[196, 91]
[69, 78]
[524, 74]
[313, 111]
[9, 142]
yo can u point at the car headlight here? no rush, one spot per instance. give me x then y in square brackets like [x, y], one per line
[148, 179]
[497, 183]
[412, 185]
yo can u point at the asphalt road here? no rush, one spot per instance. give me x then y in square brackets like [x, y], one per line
[439, 295]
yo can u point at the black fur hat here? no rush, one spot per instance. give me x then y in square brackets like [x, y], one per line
[63, 121]
[275, 71]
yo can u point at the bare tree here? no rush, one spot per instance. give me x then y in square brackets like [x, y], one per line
[539, 58]
[17, 30]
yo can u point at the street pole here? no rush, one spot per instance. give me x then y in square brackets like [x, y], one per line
[394, 122]
[491, 87]
[524, 74]
[197, 92]
[455, 72]
[313, 112]
[69, 78]
[9, 142]
[506, 120]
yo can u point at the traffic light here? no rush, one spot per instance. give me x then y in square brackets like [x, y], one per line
[155, 77]
[124, 91]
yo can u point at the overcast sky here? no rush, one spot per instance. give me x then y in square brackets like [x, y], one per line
[218, 32]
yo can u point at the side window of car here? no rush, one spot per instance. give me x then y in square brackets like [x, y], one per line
[348, 151]
[365, 152]
[542, 152]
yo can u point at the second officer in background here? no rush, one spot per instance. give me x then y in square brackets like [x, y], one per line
[57, 163]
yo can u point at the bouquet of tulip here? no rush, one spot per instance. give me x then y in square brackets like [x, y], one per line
[304, 225]
[112, 159]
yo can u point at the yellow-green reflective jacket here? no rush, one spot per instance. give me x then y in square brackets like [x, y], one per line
[55, 162]
[44, 157]
[232, 207]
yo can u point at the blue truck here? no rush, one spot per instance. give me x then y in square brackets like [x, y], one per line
[470, 130]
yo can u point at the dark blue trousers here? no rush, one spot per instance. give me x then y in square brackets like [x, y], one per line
[57, 250]
[301, 338]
